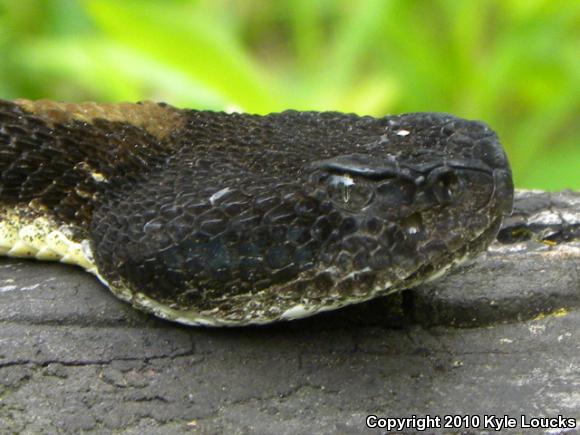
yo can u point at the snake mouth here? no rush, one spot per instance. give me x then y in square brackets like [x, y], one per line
[432, 271]
[425, 273]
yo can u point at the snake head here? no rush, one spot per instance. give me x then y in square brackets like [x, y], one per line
[256, 219]
[425, 195]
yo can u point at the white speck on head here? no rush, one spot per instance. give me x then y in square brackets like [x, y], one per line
[344, 180]
[402, 132]
[218, 195]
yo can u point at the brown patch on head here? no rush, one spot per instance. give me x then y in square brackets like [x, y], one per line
[157, 119]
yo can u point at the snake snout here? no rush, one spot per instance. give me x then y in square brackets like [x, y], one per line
[474, 150]
[488, 149]
[474, 141]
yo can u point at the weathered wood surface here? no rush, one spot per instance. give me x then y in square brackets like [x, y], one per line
[498, 336]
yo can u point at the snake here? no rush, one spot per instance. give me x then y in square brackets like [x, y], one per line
[209, 218]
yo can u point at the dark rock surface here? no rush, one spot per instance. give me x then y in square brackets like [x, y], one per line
[496, 336]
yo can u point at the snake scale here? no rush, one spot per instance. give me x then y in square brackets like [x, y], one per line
[208, 218]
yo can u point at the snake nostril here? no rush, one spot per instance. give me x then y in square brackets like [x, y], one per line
[445, 185]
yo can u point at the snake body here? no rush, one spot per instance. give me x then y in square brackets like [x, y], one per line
[209, 218]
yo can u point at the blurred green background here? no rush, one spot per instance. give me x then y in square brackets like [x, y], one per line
[512, 63]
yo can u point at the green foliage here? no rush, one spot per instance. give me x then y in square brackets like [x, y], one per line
[512, 63]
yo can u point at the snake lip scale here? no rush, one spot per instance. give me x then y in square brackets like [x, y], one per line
[216, 219]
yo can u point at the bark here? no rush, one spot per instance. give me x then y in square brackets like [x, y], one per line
[496, 336]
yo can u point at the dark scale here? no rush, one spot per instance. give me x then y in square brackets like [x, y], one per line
[236, 219]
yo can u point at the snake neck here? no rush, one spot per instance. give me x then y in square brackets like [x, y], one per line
[56, 159]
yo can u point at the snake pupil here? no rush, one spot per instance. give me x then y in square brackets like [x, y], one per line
[345, 194]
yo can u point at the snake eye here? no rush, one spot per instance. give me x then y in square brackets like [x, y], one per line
[446, 185]
[348, 193]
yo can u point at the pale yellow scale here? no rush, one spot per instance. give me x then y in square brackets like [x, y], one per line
[25, 234]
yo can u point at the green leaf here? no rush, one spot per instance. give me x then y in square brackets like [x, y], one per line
[182, 37]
